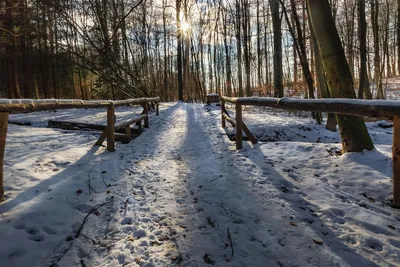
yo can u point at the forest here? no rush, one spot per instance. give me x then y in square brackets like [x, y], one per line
[182, 50]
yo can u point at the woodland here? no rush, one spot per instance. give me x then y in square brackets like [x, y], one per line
[182, 50]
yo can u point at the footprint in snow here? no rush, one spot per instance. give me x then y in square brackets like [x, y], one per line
[374, 244]
[36, 238]
[19, 226]
[49, 231]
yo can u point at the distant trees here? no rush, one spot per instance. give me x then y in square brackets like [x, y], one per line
[123, 48]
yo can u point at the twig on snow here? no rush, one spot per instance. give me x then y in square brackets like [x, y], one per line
[102, 178]
[88, 182]
[55, 262]
[230, 240]
[78, 233]
[215, 179]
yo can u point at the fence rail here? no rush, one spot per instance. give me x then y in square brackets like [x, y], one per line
[384, 109]
[12, 106]
[32, 105]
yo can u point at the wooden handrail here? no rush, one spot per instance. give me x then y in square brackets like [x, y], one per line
[355, 107]
[32, 105]
[8, 106]
[387, 109]
[128, 122]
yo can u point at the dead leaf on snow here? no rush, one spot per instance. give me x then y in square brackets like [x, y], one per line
[318, 242]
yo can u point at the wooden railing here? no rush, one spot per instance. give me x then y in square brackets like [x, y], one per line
[384, 109]
[12, 106]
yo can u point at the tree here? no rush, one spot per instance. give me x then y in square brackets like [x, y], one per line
[354, 134]
[277, 28]
[179, 47]
[363, 88]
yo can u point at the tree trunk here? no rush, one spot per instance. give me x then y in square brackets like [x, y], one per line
[277, 28]
[179, 47]
[331, 122]
[398, 36]
[239, 48]
[245, 22]
[363, 75]
[355, 137]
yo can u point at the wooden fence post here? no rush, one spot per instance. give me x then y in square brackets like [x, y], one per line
[239, 133]
[3, 136]
[111, 128]
[222, 113]
[157, 109]
[396, 162]
[146, 111]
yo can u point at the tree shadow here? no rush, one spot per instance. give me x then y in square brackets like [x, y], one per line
[229, 193]
[71, 170]
[49, 212]
[306, 212]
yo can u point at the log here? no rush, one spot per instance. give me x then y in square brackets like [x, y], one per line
[124, 139]
[33, 105]
[3, 136]
[126, 123]
[354, 107]
[249, 135]
[128, 132]
[110, 128]
[223, 114]
[226, 117]
[396, 162]
[21, 123]
[146, 111]
[101, 139]
[239, 134]
[69, 125]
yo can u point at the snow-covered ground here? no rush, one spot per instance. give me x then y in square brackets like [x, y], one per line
[181, 195]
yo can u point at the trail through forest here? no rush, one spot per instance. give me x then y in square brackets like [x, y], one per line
[181, 195]
[190, 201]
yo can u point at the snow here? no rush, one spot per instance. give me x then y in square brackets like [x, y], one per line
[181, 195]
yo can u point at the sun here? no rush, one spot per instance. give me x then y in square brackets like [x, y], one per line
[185, 26]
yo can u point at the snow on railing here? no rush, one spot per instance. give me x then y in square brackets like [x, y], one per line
[8, 106]
[387, 109]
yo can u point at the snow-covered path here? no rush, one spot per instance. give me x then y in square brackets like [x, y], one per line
[181, 195]
[192, 200]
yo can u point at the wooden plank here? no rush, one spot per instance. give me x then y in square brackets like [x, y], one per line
[125, 123]
[3, 136]
[111, 128]
[239, 134]
[396, 162]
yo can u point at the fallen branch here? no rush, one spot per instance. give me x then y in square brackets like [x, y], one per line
[230, 240]
[78, 233]
[88, 182]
